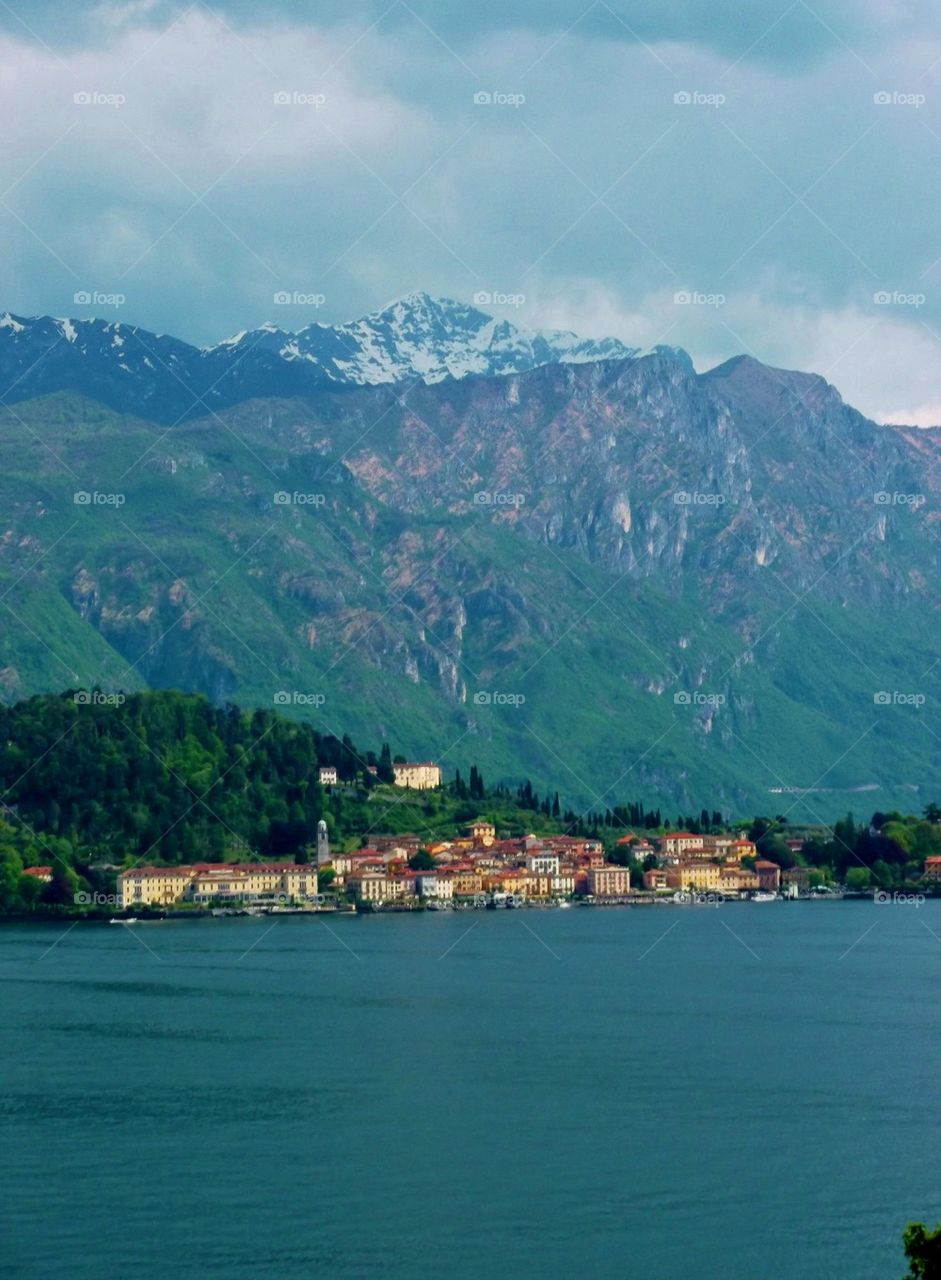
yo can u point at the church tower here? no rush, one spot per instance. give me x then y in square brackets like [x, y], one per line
[323, 844]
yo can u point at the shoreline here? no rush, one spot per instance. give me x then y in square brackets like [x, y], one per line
[235, 913]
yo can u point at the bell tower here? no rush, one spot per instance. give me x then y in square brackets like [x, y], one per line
[323, 844]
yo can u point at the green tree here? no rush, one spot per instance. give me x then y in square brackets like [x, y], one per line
[385, 772]
[11, 875]
[858, 878]
[923, 1251]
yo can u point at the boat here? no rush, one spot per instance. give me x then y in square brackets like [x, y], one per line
[764, 897]
[129, 920]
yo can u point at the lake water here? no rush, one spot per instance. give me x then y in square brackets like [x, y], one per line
[738, 1092]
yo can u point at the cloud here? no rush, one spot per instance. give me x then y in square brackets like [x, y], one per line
[770, 32]
[607, 172]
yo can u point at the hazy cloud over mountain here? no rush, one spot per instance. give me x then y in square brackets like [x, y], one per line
[738, 178]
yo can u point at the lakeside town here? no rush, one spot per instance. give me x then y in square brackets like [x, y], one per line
[483, 867]
[307, 823]
[475, 870]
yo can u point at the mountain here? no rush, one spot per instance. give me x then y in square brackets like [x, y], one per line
[134, 371]
[619, 577]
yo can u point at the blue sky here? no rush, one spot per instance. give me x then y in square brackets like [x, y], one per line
[719, 176]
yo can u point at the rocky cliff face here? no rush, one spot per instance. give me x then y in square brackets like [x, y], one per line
[617, 576]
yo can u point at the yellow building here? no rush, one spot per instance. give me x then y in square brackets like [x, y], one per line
[694, 875]
[738, 880]
[420, 777]
[467, 883]
[207, 882]
[376, 888]
[153, 886]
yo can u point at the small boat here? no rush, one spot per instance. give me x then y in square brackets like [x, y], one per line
[129, 920]
[764, 897]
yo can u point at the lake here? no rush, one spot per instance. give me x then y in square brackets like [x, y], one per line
[658, 1092]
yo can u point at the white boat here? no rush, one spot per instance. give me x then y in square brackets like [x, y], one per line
[764, 897]
[130, 920]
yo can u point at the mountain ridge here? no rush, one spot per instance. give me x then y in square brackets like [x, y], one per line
[416, 338]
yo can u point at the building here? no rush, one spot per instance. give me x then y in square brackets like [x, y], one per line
[420, 777]
[431, 884]
[563, 885]
[323, 844]
[327, 776]
[208, 882]
[740, 849]
[42, 874]
[153, 886]
[403, 844]
[482, 833]
[375, 888]
[655, 880]
[800, 877]
[609, 882]
[676, 843]
[694, 875]
[769, 875]
[737, 880]
[467, 883]
[543, 864]
[932, 868]
[342, 864]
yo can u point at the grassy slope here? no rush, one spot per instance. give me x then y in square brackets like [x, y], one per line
[599, 720]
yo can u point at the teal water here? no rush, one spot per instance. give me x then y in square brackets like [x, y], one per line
[739, 1092]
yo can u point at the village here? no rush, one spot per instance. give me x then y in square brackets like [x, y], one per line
[477, 869]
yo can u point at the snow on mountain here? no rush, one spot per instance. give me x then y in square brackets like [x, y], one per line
[417, 337]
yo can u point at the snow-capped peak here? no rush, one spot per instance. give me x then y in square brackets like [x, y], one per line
[422, 337]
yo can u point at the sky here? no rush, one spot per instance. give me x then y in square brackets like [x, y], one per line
[724, 177]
